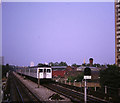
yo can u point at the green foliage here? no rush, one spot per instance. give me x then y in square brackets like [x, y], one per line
[40, 64]
[58, 64]
[110, 76]
[71, 79]
[79, 78]
[51, 64]
[5, 69]
[75, 65]
[84, 64]
[62, 64]
[96, 65]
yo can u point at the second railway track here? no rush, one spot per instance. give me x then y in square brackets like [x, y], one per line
[19, 93]
[75, 96]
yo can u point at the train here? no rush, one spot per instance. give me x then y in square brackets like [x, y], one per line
[41, 72]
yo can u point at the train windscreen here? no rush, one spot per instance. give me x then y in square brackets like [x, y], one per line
[48, 71]
[41, 70]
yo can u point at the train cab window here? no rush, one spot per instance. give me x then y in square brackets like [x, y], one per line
[40, 70]
[48, 70]
[44, 70]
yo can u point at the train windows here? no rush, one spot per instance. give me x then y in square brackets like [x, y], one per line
[40, 70]
[48, 70]
[35, 70]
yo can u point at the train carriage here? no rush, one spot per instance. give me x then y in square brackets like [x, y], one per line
[42, 72]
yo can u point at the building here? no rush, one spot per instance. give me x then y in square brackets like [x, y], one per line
[60, 71]
[117, 32]
[2, 60]
[91, 61]
[81, 68]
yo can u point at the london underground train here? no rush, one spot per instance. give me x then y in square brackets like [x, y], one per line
[42, 72]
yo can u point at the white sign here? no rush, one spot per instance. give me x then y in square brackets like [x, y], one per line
[87, 77]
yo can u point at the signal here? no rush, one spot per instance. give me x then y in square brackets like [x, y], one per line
[87, 72]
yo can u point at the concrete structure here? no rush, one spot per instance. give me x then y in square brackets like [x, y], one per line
[42, 93]
[117, 32]
[91, 61]
[1, 60]
[81, 68]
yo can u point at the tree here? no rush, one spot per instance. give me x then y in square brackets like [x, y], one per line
[96, 65]
[75, 65]
[79, 78]
[110, 76]
[40, 64]
[84, 64]
[51, 64]
[62, 64]
[58, 64]
[5, 69]
[88, 64]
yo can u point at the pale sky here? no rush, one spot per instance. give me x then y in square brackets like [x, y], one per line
[54, 32]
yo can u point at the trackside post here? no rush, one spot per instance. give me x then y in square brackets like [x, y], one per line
[87, 75]
[38, 78]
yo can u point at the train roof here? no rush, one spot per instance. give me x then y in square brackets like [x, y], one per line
[59, 67]
[40, 66]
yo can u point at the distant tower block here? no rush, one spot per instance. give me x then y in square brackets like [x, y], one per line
[91, 61]
[117, 32]
[32, 64]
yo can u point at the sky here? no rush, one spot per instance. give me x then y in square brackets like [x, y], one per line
[54, 32]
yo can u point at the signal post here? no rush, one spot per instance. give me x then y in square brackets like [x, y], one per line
[87, 75]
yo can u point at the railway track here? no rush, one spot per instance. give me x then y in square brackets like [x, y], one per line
[81, 91]
[19, 93]
[72, 94]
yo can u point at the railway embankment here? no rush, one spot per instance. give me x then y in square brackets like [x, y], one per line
[42, 93]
